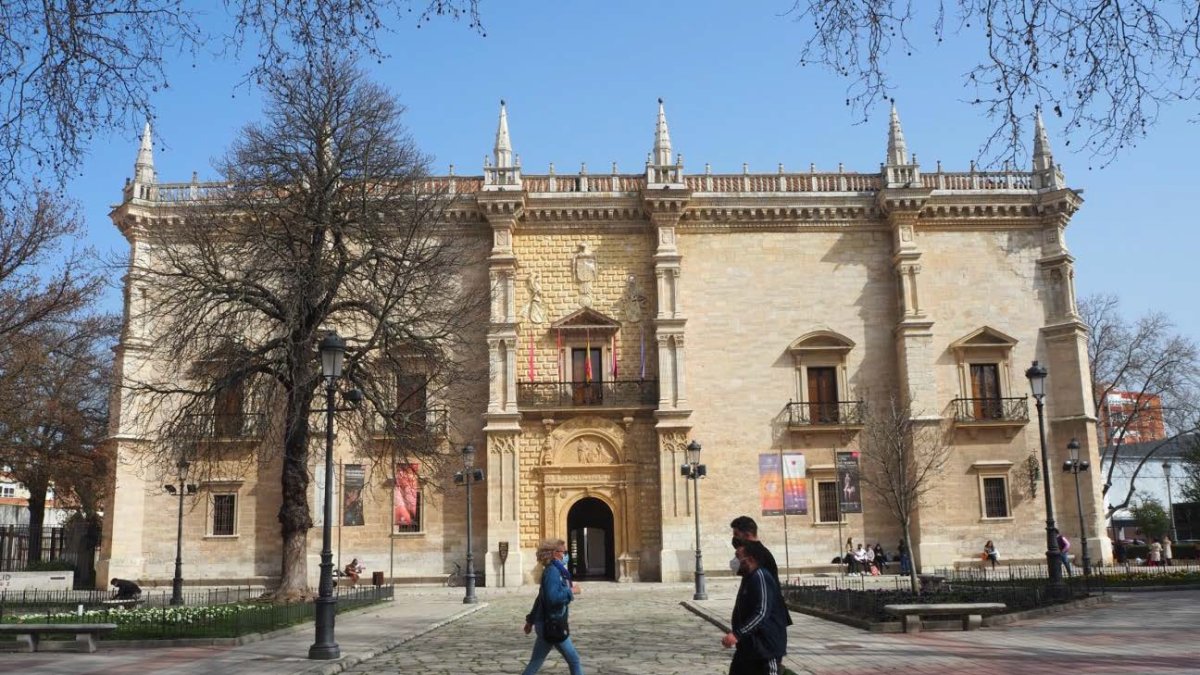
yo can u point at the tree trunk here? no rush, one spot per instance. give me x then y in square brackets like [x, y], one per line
[295, 519]
[912, 560]
[37, 517]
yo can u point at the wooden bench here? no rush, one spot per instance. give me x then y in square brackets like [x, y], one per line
[971, 612]
[29, 635]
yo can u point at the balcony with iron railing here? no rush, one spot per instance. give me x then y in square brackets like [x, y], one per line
[825, 415]
[567, 395]
[423, 422]
[1010, 413]
[226, 427]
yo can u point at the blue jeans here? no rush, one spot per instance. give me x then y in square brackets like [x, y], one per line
[541, 649]
[1066, 561]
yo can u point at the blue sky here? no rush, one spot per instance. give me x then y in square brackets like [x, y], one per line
[582, 82]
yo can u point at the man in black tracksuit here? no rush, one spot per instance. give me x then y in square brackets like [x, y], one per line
[759, 623]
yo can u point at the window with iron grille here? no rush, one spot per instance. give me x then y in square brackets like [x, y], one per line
[224, 514]
[995, 497]
[827, 501]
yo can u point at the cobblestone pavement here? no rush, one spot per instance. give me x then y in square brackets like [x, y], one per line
[622, 629]
[644, 629]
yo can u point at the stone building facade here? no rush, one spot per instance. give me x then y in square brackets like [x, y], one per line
[756, 313]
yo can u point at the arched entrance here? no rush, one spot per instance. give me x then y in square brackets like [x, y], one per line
[590, 540]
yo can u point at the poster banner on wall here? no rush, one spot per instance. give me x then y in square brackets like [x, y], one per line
[795, 488]
[406, 499]
[353, 477]
[849, 494]
[770, 492]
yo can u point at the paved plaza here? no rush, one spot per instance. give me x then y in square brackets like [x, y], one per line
[646, 629]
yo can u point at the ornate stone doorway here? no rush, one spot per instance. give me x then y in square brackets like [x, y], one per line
[590, 539]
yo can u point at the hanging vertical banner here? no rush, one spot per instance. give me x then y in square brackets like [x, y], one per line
[319, 497]
[770, 492]
[795, 487]
[353, 477]
[406, 499]
[849, 494]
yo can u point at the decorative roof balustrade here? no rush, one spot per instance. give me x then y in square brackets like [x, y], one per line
[743, 183]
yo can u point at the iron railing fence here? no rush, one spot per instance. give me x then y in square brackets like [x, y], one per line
[629, 393]
[15, 545]
[157, 620]
[991, 409]
[1101, 578]
[819, 413]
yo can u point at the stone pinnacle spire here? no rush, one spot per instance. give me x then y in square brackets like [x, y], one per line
[662, 139]
[143, 168]
[897, 151]
[1043, 159]
[503, 150]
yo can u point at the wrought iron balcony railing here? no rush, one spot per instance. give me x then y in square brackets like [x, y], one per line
[991, 410]
[618, 393]
[421, 422]
[227, 427]
[825, 413]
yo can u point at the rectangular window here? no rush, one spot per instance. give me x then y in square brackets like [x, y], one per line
[8, 491]
[995, 497]
[822, 395]
[228, 409]
[224, 515]
[827, 501]
[406, 499]
[587, 375]
[985, 390]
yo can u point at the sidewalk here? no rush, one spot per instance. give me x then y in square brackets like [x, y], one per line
[361, 635]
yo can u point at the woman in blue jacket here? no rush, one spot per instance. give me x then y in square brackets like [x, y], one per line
[555, 593]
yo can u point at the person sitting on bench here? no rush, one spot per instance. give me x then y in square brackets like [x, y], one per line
[126, 590]
[354, 570]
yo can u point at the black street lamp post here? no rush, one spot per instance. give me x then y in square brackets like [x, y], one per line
[181, 491]
[694, 471]
[1036, 375]
[468, 476]
[333, 351]
[1075, 465]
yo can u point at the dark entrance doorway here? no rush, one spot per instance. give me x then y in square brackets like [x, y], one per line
[590, 540]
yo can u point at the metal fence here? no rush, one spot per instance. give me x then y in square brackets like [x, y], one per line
[217, 613]
[15, 547]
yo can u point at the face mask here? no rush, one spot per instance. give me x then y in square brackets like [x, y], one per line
[566, 559]
[734, 564]
[737, 542]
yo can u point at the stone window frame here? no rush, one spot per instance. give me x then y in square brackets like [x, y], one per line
[1001, 469]
[821, 349]
[222, 489]
[984, 346]
[822, 473]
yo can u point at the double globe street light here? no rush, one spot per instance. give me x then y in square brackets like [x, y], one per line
[333, 354]
[1074, 465]
[467, 477]
[1036, 374]
[694, 471]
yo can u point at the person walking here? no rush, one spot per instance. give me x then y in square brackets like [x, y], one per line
[555, 592]
[1064, 545]
[990, 553]
[1167, 553]
[1156, 551]
[905, 561]
[745, 529]
[758, 626]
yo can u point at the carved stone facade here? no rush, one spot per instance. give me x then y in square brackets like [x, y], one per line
[756, 313]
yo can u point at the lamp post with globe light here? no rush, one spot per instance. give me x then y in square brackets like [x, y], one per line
[1036, 374]
[467, 477]
[694, 471]
[1074, 465]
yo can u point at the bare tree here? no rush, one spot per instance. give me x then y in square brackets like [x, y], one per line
[1191, 470]
[1108, 68]
[1154, 369]
[73, 69]
[53, 438]
[903, 457]
[328, 221]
